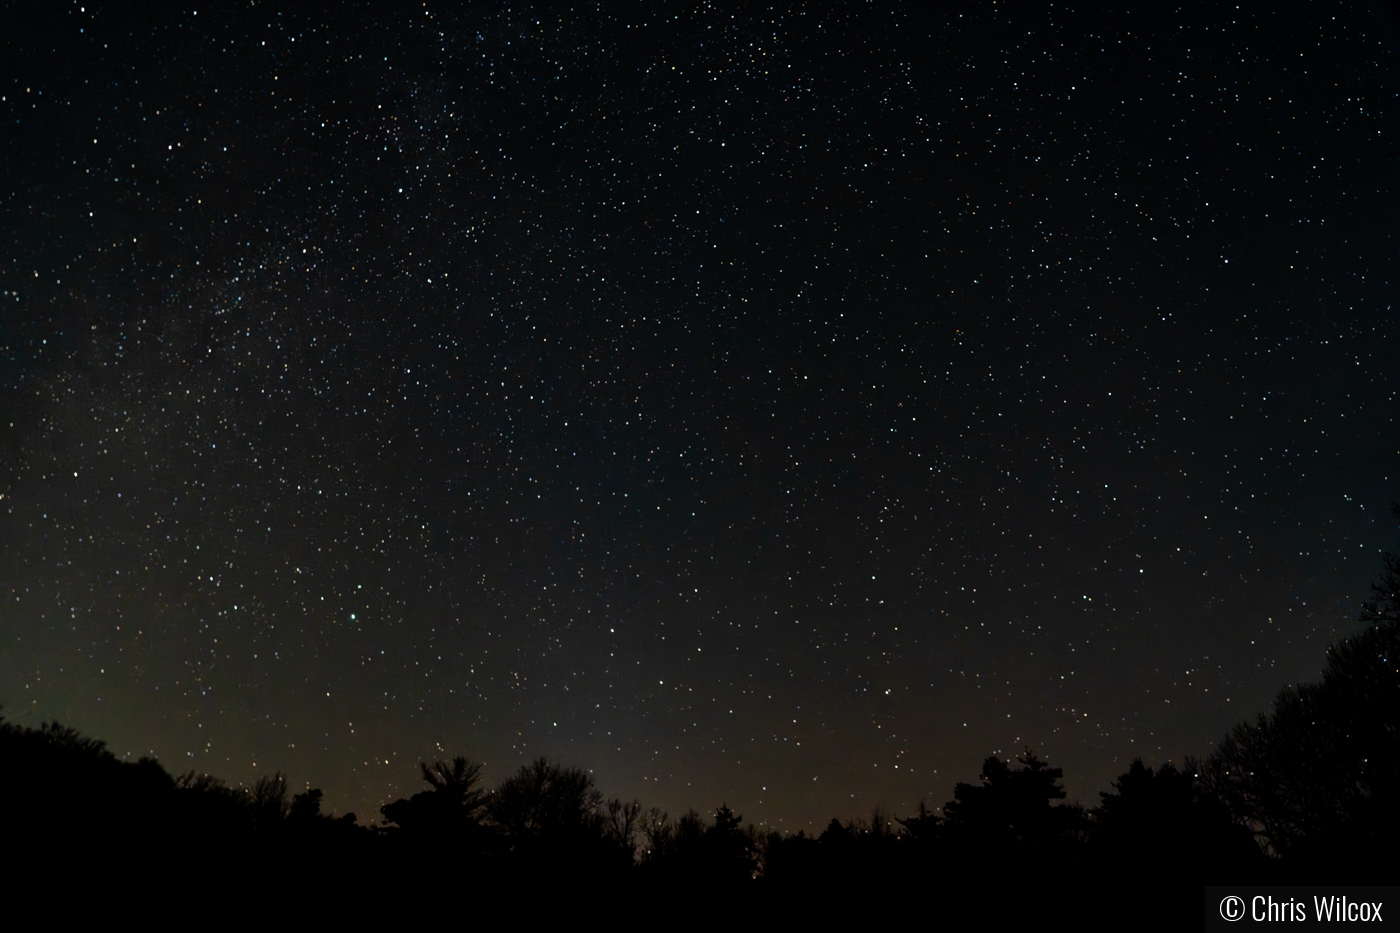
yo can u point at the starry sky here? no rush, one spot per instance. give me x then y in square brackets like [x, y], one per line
[784, 406]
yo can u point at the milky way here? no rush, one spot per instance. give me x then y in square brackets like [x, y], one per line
[782, 407]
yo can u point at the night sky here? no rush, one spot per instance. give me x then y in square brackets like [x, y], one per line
[783, 406]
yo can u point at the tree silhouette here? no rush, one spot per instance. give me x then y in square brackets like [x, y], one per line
[440, 831]
[555, 824]
[544, 800]
[695, 852]
[451, 807]
[66, 793]
[922, 826]
[1010, 803]
[1009, 816]
[305, 806]
[267, 800]
[837, 834]
[1159, 824]
[622, 821]
[1316, 778]
[793, 861]
[729, 854]
[658, 831]
[456, 782]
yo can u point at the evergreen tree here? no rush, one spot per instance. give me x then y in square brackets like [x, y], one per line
[1011, 818]
[1158, 824]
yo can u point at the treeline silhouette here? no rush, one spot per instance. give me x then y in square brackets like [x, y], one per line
[1308, 791]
